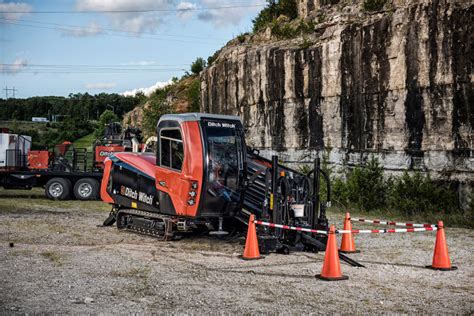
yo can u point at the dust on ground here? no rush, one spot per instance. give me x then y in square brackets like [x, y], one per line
[62, 262]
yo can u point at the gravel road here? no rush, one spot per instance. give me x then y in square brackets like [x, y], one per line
[61, 262]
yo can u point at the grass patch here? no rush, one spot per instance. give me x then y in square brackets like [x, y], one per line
[56, 229]
[141, 273]
[18, 253]
[15, 201]
[53, 257]
[85, 142]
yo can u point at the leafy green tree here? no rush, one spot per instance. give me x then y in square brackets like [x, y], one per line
[157, 106]
[105, 118]
[272, 11]
[194, 96]
[198, 65]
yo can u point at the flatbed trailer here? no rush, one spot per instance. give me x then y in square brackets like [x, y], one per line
[58, 185]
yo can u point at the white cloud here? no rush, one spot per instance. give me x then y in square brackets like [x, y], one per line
[186, 8]
[224, 17]
[140, 63]
[14, 68]
[149, 90]
[131, 21]
[100, 85]
[91, 29]
[21, 8]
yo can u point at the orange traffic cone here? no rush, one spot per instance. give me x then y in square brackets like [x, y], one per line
[331, 267]
[441, 259]
[347, 243]
[251, 251]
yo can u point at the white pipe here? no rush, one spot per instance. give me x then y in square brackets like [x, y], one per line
[135, 145]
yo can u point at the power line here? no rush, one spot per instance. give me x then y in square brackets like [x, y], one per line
[97, 71]
[97, 66]
[139, 10]
[107, 29]
[108, 34]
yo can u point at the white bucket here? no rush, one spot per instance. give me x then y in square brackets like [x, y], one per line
[298, 209]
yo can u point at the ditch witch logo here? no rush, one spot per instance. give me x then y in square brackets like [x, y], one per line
[106, 153]
[133, 194]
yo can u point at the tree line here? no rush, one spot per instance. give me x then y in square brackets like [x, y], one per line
[81, 106]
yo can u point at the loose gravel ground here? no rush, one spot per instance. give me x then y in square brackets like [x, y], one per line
[61, 262]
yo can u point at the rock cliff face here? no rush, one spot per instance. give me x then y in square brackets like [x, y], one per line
[397, 84]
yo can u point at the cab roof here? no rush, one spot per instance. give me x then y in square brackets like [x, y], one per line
[193, 117]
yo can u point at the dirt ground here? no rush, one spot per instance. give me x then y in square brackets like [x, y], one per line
[62, 262]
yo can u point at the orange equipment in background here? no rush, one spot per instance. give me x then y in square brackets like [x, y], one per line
[39, 159]
[102, 152]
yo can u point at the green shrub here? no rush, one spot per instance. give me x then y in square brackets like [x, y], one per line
[158, 107]
[418, 194]
[306, 43]
[198, 65]
[272, 11]
[213, 57]
[105, 118]
[373, 5]
[283, 30]
[242, 37]
[194, 96]
[364, 188]
[306, 27]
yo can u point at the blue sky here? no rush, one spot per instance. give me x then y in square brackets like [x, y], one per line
[62, 53]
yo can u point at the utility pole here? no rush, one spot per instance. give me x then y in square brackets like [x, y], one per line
[12, 90]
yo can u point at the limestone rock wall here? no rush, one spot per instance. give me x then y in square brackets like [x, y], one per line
[397, 84]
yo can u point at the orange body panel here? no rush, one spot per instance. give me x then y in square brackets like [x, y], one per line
[39, 159]
[102, 152]
[178, 184]
[105, 179]
[144, 163]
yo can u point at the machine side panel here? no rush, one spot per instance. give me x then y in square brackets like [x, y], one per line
[104, 195]
[177, 184]
[134, 189]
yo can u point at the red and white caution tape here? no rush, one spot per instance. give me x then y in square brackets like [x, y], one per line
[354, 231]
[391, 223]
[387, 231]
[301, 229]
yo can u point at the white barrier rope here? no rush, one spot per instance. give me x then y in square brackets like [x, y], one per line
[354, 231]
[387, 231]
[391, 223]
[301, 229]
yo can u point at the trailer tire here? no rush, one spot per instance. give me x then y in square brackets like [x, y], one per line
[86, 189]
[58, 189]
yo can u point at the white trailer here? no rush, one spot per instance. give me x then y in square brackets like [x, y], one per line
[14, 150]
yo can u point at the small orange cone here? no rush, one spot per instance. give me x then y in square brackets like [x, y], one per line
[331, 267]
[251, 251]
[441, 259]
[347, 243]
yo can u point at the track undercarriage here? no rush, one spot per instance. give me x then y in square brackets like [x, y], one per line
[146, 223]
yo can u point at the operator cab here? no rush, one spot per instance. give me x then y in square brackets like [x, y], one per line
[200, 164]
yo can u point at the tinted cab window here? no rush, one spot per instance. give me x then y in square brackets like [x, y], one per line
[171, 149]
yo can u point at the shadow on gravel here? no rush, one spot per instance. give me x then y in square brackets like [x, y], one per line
[394, 264]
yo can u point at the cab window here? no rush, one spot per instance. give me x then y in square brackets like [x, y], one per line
[171, 149]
